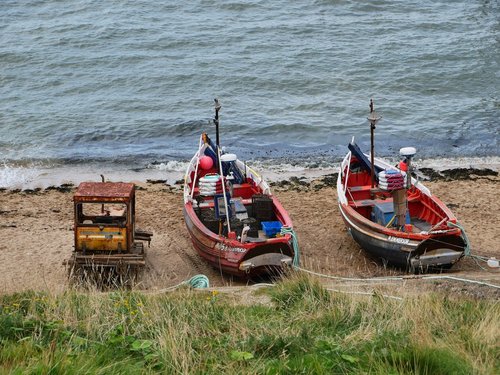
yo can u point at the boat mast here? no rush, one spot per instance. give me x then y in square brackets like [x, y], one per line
[373, 118]
[217, 139]
[216, 121]
[217, 142]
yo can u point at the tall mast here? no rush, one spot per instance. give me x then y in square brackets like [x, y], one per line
[217, 139]
[216, 121]
[373, 118]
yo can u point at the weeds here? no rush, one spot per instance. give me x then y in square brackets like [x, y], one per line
[305, 330]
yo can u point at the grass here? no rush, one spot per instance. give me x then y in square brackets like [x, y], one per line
[305, 330]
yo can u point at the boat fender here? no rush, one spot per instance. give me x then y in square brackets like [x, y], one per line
[391, 180]
[208, 191]
[210, 178]
[206, 162]
[493, 263]
[209, 184]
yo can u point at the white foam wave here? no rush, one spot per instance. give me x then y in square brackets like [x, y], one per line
[30, 177]
[17, 177]
[490, 162]
[170, 166]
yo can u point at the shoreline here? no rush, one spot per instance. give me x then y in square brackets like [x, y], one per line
[40, 177]
[304, 178]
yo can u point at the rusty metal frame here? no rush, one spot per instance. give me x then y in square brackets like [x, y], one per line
[106, 193]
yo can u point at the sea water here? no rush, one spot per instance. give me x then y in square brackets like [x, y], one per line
[126, 87]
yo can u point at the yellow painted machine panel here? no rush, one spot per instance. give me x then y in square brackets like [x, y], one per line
[101, 239]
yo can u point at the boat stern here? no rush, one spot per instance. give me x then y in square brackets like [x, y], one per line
[436, 258]
[274, 260]
[439, 252]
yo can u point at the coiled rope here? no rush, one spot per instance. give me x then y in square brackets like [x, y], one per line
[198, 282]
[195, 282]
[464, 236]
[295, 245]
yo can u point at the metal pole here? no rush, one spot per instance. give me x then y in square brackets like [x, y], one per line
[408, 174]
[216, 121]
[217, 139]
[372, 154]
[373, 118]
[228, 219]
[103, 180]
[193, 183]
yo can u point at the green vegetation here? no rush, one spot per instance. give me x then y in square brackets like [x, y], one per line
[303, 330]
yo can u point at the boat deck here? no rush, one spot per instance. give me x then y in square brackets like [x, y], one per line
[422, 225]
[364, 198]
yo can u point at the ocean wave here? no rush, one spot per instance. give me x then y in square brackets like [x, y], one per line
[130, 83]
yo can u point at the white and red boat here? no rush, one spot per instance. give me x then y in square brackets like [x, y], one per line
[254, 238]
[401, 223]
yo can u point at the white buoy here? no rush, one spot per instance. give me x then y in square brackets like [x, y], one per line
[493, 263]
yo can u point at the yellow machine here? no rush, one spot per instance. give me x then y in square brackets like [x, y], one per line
[104, 229]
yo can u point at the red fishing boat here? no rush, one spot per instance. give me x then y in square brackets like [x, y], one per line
[394, 217]
[234, 221]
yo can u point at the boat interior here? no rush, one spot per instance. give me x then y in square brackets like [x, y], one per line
[248, 207]
[377, 205]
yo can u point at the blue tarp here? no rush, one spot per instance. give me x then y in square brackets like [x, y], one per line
[363, 160]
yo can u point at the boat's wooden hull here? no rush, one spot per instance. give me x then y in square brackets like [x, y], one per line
[253, 256]
[379, 247]
[432, 237]
[233, 257]
[401, 251]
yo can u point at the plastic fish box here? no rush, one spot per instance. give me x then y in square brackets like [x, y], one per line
[271, 228]
[262, 207]
[384, 211]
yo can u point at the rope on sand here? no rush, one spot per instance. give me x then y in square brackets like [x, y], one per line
[401, 278]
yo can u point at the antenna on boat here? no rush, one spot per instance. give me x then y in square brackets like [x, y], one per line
[373, 118]
[216, 121]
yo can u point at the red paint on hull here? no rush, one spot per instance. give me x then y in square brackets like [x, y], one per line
[226, 254]
[437, 239]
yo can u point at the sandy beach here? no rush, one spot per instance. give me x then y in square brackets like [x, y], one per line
[36, 232]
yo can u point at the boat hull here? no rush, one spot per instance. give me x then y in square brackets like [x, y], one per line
[245, 260]
[401, 251]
